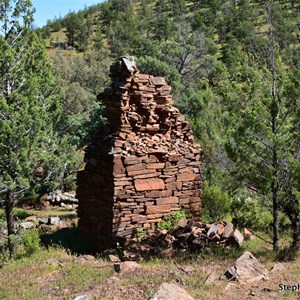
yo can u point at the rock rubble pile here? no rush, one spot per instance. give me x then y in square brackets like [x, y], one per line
[189, 235]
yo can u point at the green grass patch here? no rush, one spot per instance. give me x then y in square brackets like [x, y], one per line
[53, 211]
[80, 277]
[19, 213]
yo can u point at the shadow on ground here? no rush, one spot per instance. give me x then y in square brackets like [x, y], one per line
[69, 239]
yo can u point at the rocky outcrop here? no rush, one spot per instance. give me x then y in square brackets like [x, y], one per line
[146, 166]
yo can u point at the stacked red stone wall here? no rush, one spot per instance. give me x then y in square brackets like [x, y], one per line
[146, 166]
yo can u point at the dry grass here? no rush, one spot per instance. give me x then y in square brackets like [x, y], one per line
[55, 274]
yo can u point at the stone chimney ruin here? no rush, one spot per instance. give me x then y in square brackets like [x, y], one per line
[145, 167]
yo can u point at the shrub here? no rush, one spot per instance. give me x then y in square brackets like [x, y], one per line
[249, 211]
[140, 233]
[21, 214]
[2, 214]
[27, 242]
[170, 221]
[216, 204]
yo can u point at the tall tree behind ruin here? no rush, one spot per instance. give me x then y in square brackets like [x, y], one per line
[33, 156]
[264, 140]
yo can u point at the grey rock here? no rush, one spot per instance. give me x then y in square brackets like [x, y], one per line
[228, 230]
[211, 278]
[57, 198]
[43, 220]
[126, 266]
[238, 237]
[171, 291]
[129, 63]
[278, 267]
[158, 81]
[246, 269]
[54, 221]
[212, 230]
[26, 225]
[82, 297]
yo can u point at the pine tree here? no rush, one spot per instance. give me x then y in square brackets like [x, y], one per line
[264, 141]
[32, 153]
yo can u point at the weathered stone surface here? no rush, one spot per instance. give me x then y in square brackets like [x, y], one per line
[137, 172]
[238, 237]
[147, 175]
[114, 258]
[212, 278]
[149, 184]
[174, 157]
[188, 176]
[135, 167]
[212, 230]
[157, 80]
[154, 216]
[228, 230]
[246, 269]
[156, 166]
[171, 186]
[157, 209]
[278, 267]
[26, 225]
[118, 165]
[126, 266]
[54, 220]
[81, 297]
[167, 200]
[158, 194]
[171, 291]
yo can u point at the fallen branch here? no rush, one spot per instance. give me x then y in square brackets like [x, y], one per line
[263, 239]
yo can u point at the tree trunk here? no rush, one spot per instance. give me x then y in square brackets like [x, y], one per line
[296, 234]
[293, 5]
[275, 217]
[9, 205]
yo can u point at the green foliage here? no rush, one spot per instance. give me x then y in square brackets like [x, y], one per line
[82, 79]
[80, 277]
[29, 121]
[26, 242]
[140, 233]
[2, 214]
[215, 203]
[250, 211]
[30, 113]
[21, 214]
[29, 242]
[170, 221]
[234, 68]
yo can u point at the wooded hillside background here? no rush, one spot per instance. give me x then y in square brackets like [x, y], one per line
[234, 68]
